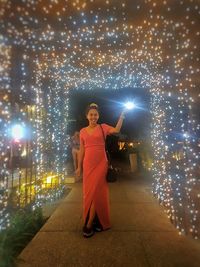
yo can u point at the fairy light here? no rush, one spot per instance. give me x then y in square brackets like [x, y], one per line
[111, 45]
[5, 120]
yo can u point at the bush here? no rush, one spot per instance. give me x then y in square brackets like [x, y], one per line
[23, 226]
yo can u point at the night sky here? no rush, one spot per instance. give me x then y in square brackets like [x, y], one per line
[137, 122]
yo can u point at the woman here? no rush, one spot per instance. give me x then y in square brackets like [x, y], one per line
[92, 157]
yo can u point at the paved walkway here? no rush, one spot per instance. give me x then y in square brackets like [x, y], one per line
[141, 234]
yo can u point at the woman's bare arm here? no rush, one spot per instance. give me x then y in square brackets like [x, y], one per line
[81, 155]
[118, 126]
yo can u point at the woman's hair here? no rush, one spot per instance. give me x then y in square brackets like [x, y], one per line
[92, 106]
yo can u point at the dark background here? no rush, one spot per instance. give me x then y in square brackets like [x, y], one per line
[137, 121]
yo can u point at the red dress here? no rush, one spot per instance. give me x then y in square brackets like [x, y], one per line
[95, 164]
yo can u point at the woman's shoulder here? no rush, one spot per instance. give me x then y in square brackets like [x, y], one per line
[108, 128]
[105, 125]
[82, 130]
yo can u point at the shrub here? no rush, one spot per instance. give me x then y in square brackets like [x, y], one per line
[23, 226]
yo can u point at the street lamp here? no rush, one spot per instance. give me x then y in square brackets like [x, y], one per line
[17, 132]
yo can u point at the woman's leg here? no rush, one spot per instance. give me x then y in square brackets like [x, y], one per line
[91, 216]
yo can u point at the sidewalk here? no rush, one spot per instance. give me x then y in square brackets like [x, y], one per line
[141, 234]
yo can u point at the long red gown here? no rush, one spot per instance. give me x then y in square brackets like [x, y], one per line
[95, 164]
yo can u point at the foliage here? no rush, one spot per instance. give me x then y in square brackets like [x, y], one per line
[23, 226]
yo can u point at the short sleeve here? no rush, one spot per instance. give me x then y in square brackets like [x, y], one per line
[107, 128]
[81, 137]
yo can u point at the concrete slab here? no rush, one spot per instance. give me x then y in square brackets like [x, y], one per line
[141, 234]
[75, 194]
[68, 249]
[132, 193]
[139, 217]
[65, 218]
[170, 250]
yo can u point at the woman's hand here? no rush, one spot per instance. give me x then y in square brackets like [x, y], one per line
[124, 111]
[78, 172]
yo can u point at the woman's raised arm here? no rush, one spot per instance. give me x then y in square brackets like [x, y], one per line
[118, 126]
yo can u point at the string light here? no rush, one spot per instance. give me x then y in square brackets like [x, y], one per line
[5, 120]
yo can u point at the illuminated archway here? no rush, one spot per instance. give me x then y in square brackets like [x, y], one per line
[109, 45]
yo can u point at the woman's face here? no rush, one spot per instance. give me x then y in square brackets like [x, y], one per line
[93, 116]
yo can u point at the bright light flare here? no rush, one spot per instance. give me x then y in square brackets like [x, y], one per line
[17, 132]
[129, 105]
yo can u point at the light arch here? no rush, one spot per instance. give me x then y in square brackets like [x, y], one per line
[110, 48]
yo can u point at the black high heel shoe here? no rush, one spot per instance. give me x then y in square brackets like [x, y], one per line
[88, 232]
[97, 225]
